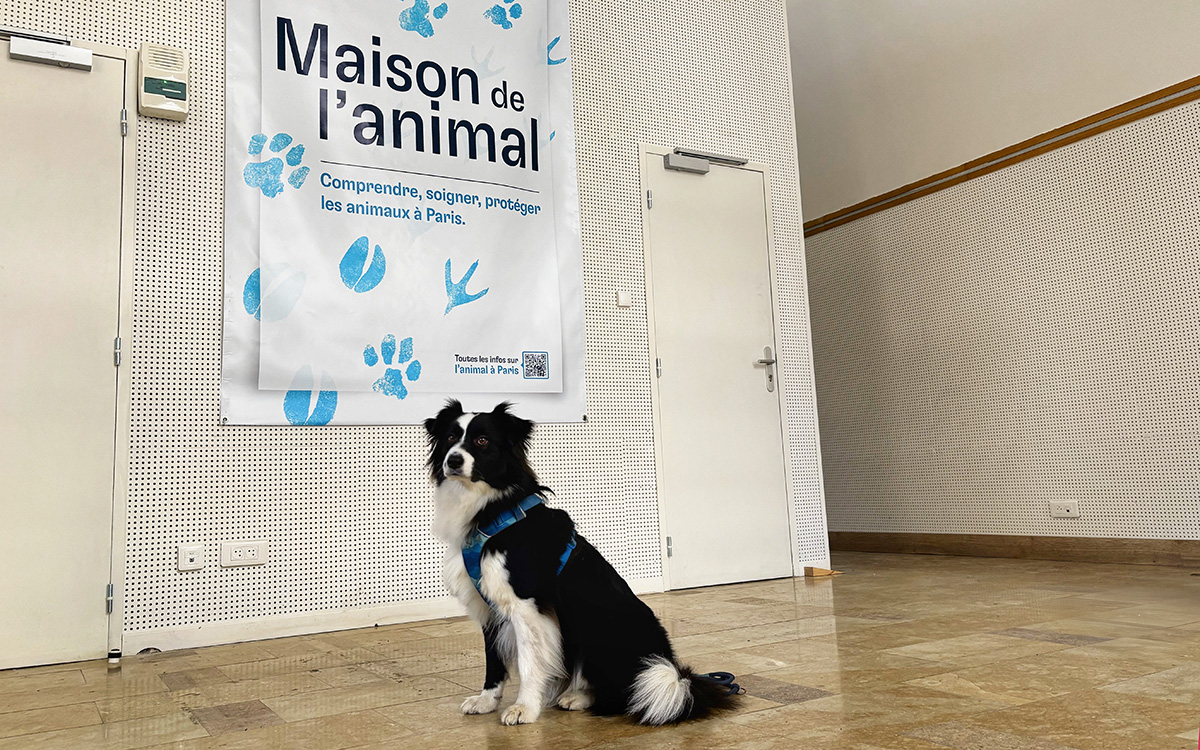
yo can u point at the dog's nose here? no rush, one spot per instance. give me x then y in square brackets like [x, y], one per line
[454, 461]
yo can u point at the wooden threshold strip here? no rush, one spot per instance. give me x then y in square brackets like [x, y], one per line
[1122, 114]
[1169, 552]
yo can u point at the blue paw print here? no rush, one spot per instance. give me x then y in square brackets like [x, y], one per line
[392, 382]
[299, 406]
[416, 18]
[357, 275]
[267, 175]
[456, 292]
[499, 15]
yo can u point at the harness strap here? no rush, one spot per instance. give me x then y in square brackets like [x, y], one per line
[472, 549]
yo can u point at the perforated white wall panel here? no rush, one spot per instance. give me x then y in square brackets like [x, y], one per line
[1027, 336]
[347, 509]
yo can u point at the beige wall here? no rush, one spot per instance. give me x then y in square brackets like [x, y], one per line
[346, 509]
[888, 92]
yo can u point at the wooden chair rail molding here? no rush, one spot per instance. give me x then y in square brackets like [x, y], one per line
[1169, 552]
[1136, 109]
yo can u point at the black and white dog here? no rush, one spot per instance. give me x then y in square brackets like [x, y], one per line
[547, 601]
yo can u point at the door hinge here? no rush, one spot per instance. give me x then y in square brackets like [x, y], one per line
[124, 123]
[117, 352]
[108, 599]
[670, 551]
[649, 199]
[658, 367]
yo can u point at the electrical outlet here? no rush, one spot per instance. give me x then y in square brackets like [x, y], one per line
[191, 556]
[237, 554]
[1064, 508]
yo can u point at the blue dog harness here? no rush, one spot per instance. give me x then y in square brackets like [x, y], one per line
[472, 550]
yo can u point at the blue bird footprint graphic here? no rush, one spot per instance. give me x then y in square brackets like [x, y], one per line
[392, 381]
[456, 291]
[267, 175]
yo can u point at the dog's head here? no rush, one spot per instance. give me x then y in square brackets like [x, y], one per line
[488, 448]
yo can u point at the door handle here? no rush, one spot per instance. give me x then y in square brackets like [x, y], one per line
[768, 361]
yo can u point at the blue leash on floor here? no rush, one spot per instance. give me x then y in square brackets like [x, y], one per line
[726, 679]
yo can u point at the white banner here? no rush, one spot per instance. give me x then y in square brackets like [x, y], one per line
[407, 194]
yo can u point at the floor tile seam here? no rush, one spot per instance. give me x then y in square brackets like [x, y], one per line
[107, 728]
[1144, 676]
[758, 624]
[300, 667]
[100, 722]
[91, 699]
[16, 678]
[389, 720]
[316, 693]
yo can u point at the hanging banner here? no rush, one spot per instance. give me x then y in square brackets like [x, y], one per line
[407, 192]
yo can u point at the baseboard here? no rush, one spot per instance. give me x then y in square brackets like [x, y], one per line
[238, 631]
[1170, 552]
[646, 585]
[280, 626]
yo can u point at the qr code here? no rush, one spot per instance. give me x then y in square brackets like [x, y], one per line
[537, 365]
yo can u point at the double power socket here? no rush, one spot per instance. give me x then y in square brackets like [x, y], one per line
[233, 555]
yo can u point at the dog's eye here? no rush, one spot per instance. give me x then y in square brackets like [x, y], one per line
[450, 438]
[481, 441]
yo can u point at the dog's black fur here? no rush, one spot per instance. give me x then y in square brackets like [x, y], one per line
[609, 637]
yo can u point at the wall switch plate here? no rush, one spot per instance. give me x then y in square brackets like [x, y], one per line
[238, 554]
[1064, 508]
[191, 556]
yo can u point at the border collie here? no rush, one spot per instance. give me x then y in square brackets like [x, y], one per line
[560, 614]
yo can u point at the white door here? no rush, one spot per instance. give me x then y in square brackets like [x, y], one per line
[60, 243]
[723, 487]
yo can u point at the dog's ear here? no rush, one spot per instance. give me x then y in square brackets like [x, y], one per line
[520, 430]
[431, 426]
[450, 412]
[436, 425]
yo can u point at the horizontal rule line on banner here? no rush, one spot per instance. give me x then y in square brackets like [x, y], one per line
[427, 174]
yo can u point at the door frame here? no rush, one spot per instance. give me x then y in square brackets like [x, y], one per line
[124, 402]
[123, 397]
[644, 150]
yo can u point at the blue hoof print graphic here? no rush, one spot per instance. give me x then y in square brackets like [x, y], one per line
[299, 405]
[286, 288]
[500, 15]
[416, 18]
[456, 291]
[393, 379]
[357, 274]
[267, 175]
[549, 47]
[252, 294]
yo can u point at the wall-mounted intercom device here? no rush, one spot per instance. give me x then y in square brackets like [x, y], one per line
[163, 82]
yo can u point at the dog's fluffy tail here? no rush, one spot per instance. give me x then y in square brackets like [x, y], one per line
[665, 692]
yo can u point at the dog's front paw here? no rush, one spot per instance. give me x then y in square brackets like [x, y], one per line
[519, 714]
[574, 700]
[480, 704]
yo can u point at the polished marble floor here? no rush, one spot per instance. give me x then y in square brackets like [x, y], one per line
[905, 652]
